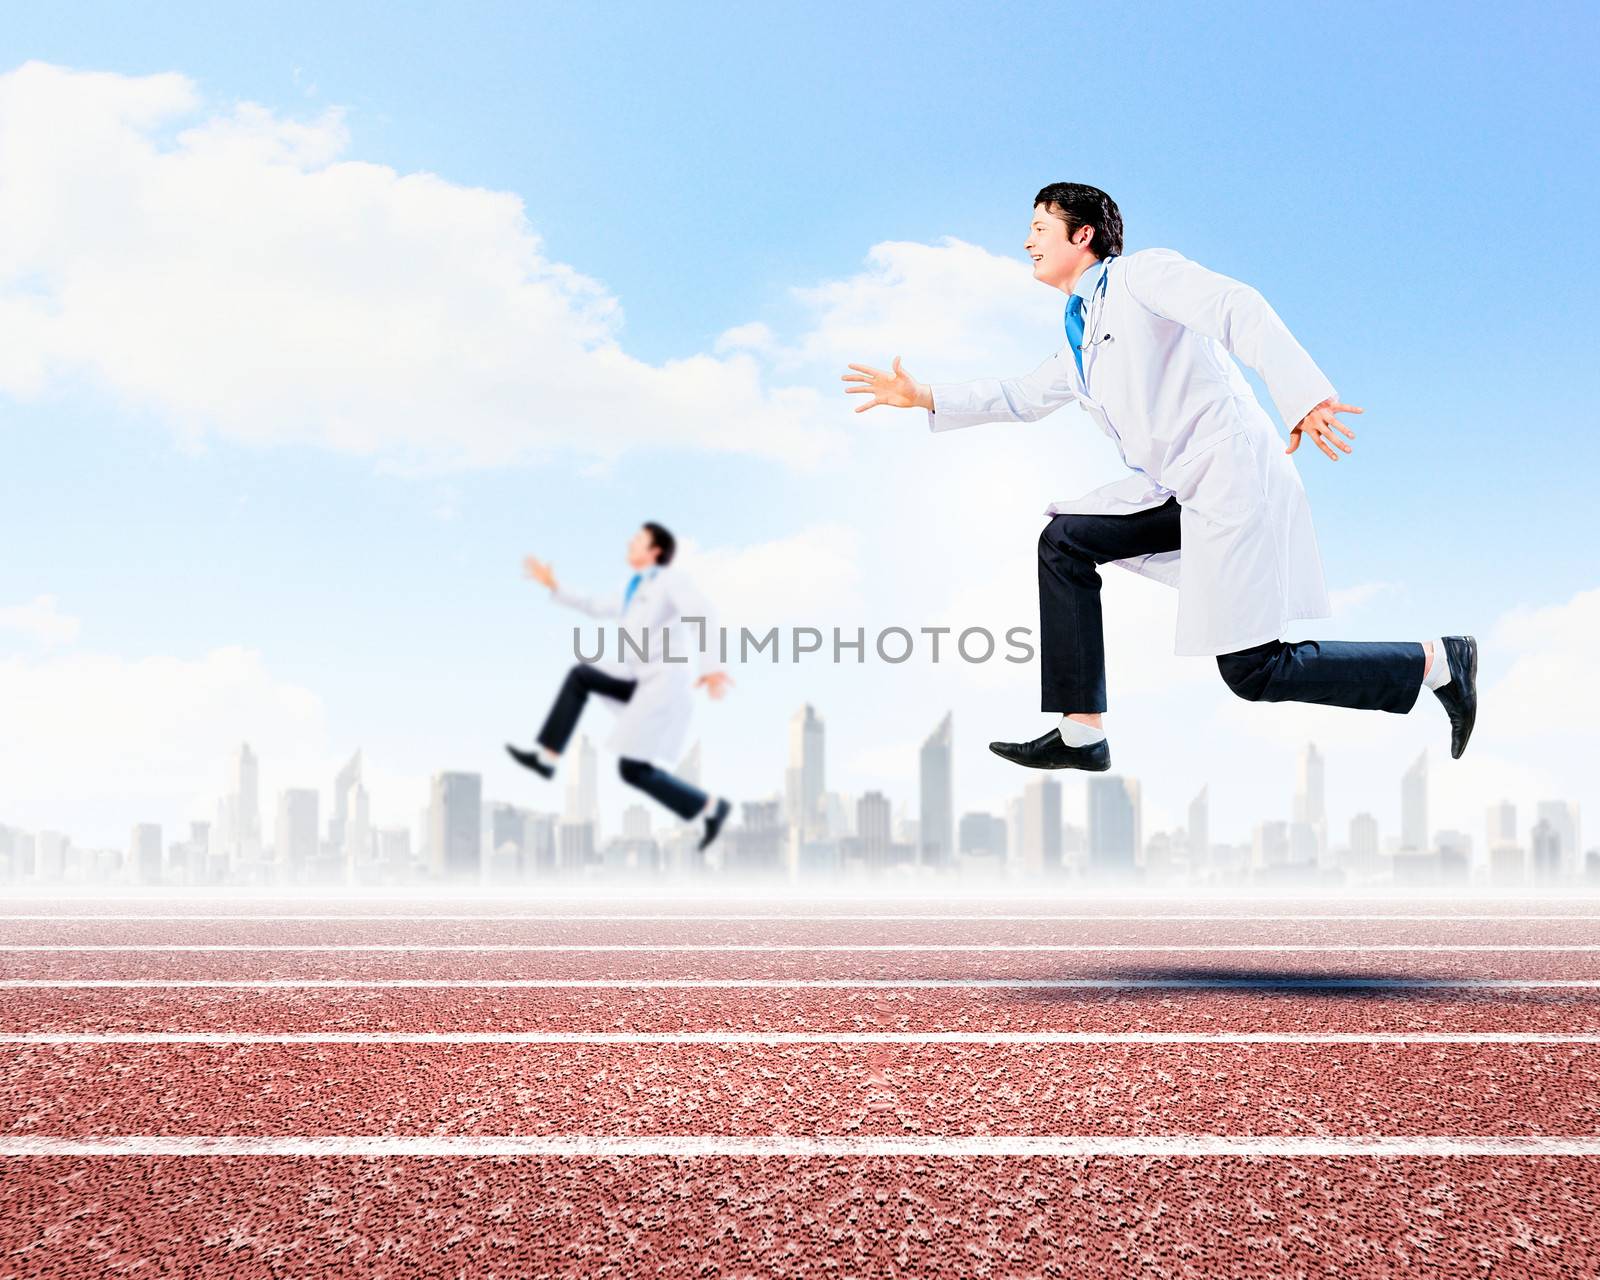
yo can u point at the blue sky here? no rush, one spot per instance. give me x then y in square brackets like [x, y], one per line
[1408, 185]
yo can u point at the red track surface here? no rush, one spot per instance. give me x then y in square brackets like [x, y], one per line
[703, 1213]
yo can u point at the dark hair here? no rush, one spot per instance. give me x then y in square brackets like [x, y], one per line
[1081, 206]
[664, 542]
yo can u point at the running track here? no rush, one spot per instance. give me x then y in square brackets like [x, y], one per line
[253, 1089]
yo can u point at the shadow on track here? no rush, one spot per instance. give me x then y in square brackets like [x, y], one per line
[1161, 981]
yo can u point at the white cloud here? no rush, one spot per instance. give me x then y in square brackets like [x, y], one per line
[1348, 599]
[1549, 685]
[40, 620]
[754, 336]
[956, 308]
[95, 742]
[793, 579]
[236, 273]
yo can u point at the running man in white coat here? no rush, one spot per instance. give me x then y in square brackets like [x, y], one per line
[649, 686]
[1149, 355]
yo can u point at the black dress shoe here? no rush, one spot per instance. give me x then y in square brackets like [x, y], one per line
[1050, 752]
[719, 815]
[531, 760]
[1460, 696]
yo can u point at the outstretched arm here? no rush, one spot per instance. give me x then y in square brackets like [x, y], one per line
[966, 404]
[1237, 316]
[541, 572]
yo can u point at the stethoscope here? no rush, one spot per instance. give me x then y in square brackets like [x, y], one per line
[1097, 305]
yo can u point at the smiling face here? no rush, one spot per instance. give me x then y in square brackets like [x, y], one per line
[642, 550]
[1058, 260]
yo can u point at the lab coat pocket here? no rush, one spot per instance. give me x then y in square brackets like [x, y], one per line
[1220, 481]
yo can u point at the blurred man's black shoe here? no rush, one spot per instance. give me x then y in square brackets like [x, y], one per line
[714, 821]
[530, 760]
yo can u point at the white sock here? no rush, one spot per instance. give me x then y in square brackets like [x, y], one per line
[1439, 673]
[711, 805]
[1077, 734]
[544, 753]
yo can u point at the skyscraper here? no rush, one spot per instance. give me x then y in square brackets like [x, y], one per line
[456, 816]
[1414, 806]
[144, 852]
[539, 844]
[983, 835]
[507, 830]
[636, 822]
[394, 853]
[1311, 804]
[1504, 856]
[356, 849]
[344, 783]
[874, 824]
[295, 833]
[1363, 846]
[805, 778]
[1546, 851]
[1018, 858]
[1115, 823]
[583, 787]
[1200, 830]
[1500, 824]
[236, 837]
[937, 826]
[1270, 844]
[1041, 826]
[1562, 815]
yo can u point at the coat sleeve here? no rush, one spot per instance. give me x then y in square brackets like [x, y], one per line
[1237, 316]
[594, 606]
[688, 601]
[1024, 399]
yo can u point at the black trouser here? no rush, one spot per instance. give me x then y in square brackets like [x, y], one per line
[1370, 676]
[684, 800]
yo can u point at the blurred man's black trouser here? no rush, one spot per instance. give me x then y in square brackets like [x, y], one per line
[684, 800]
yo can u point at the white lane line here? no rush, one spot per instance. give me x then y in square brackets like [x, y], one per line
[796, 1147]
[774, 1038]
[801, 919]
[409, 948]
[1288, 982]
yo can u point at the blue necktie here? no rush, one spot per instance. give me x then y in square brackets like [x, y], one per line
[633, 584]
[1075, 328]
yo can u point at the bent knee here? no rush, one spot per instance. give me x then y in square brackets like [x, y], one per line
[1059, 538]
[1236, 678]
[1248, 671]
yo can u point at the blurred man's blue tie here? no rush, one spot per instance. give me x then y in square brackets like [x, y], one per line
[1075, 328]
[633, 584]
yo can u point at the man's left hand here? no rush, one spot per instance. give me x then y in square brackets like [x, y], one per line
[716, 682]
[1320, 424]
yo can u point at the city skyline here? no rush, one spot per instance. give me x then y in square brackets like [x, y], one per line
[807, 829]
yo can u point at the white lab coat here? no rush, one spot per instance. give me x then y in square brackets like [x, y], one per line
[1162, 385]
[653, 723]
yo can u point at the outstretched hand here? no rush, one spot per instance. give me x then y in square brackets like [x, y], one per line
[716, 682]
[1319, 424]
[896, 388]
[539, 570]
